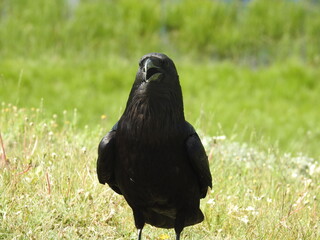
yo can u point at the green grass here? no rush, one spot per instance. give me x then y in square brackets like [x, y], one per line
[276, 102]
[255, 32]
[49, 189]
[249, 72]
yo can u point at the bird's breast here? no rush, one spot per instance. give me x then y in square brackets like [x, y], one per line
[151, 164]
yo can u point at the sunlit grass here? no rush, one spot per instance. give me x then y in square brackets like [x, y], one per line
[254, 31]
[49, 188]
[275, 103]
[246, 68]
[249, 74]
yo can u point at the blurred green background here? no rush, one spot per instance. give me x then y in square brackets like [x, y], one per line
[248, 69]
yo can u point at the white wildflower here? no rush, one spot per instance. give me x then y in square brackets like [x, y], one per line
[211, 201]
[244, 219]
[221, 138]
[258, 198]
[83, 150]
[233, 208]
[250, 208]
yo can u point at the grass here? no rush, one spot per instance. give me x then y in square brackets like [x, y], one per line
[249, 74]
[247, 70]
[275, 102]
[256, 32]
[49, 189]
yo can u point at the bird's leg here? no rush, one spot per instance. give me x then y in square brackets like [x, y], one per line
[139, 221]
[177, 236]
[179, 223]
[139, 234]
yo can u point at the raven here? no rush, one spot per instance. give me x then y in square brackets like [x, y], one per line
[152, 155]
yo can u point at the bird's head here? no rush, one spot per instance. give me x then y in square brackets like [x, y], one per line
[156, 72]
[156, 88]
[155, 99]
[156, 67]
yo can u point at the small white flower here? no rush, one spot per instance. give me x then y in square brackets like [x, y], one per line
[18, 213]
[244, 219]
[258, 198]
[28, 179]
[233, 208]
[84, 149]
[250, 208]
[211, 201]
[220, 138]
[255, 213]
[307, 182]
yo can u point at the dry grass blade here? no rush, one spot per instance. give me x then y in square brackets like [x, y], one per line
[4, 161]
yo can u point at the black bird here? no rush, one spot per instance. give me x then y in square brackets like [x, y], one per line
[152, 155]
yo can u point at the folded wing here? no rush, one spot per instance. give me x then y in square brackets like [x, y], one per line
[198, 160]
[106, 160]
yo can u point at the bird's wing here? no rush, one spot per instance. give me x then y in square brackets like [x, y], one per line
[106, 160]
[199, 160]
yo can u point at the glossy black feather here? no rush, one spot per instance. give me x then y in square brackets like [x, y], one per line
[153, 156]
[199, 161]
[106, 158]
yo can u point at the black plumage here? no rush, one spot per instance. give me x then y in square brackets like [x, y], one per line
[152, 155]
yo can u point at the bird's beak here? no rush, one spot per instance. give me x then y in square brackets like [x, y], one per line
[151, 71]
